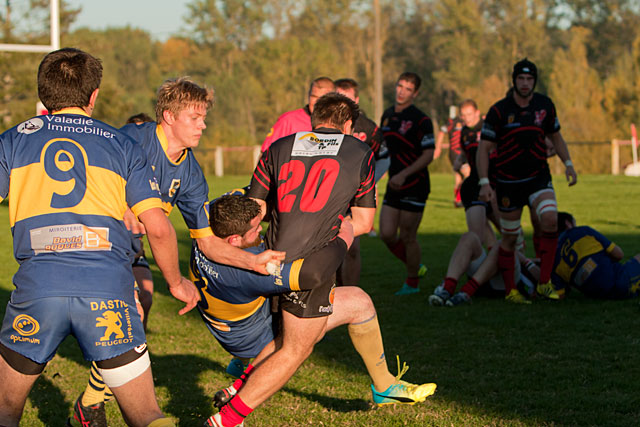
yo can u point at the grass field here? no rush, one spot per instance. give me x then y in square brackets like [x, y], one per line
[574, 362]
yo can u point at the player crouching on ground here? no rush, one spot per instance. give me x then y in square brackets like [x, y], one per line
[235, 309]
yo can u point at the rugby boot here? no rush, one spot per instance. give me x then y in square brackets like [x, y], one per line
[458, 299]
[407, 290]
[440, 296]
[516, 297]
[403, 392]
[548, 291]
[87, 416]
[422, 271]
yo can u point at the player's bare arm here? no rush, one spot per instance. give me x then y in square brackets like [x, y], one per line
[563, 153]
[132, 223]
[362, 219]
[222, 252]
[164, 246]
[482, 162]
[396, 181]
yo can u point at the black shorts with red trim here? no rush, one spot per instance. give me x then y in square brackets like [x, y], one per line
[514, 195]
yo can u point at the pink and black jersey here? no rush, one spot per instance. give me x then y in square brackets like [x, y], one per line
[407, 134]
[519, 133]
[309, 180]
[288, 123]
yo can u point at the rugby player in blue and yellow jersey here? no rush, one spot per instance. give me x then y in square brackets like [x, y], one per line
[181, 110]
[589, 262]
[69, 179]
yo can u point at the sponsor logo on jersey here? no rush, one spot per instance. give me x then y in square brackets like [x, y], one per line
[540, 116]
[153, 183]
[30, 126]
[405, 126]
[118, 327]
[309, 144]
[505, 202]
[141, 348]
[26, 325]
[511, 118]
[362, 136]
[69, 237]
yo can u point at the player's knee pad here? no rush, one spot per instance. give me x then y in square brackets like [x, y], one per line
[546, 206]
[20, 363]
[511, 227]
[121, 369]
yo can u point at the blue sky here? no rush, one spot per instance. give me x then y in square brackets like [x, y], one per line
[161, 18]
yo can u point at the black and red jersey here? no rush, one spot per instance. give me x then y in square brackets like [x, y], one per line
[519, 133]
[368, 132]
[407, 134]
[469, 139]
[309, 180]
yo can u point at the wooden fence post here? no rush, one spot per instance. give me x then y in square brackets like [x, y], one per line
[615, 157]
[219, 162]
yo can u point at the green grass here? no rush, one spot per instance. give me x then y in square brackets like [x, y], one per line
[569, 363]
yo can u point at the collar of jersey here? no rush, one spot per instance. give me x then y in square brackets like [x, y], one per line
[326, 130]
[72, 110]
[164, 143]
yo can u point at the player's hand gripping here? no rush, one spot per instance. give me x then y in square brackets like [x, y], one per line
[263, 258]
[396, 181]
[346, 232]
[186, 292]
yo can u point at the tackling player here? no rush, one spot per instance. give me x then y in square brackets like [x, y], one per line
[71, 180]
[409, 136]
[299, 120]
[235, 310]
[516, 128]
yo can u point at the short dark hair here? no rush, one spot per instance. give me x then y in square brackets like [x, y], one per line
[563, 218]
[140, 118]
[67, 78]
[469, 102]
[334, 109]
[411, 77]
[347, 84]
[232, 214]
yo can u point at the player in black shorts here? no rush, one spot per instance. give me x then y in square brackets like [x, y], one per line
[367, 131]
[408, 133]
[308, 180]
[516, 127]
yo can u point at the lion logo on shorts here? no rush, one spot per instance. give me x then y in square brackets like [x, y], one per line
[112, 321]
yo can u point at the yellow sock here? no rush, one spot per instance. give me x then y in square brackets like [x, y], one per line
[162, 422]
[367, 340]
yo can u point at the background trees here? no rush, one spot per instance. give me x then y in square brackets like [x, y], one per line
[260, 55]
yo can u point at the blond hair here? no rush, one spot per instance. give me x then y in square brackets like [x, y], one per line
[179, 93]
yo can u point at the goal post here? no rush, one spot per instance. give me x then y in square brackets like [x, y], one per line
[55, 35]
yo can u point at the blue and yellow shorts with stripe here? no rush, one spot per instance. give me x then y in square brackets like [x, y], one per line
[104, 328]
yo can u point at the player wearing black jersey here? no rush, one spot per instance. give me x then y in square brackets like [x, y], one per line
[367, 131]
[516, 127]
[309, 180]
[408, 133]
[477, 211]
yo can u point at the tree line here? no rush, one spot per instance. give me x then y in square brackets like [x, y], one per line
[260, 55]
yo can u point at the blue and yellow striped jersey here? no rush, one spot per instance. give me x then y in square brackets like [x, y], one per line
[182, 183]
[69, 179]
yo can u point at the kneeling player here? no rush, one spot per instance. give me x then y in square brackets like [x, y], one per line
[237, 314]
